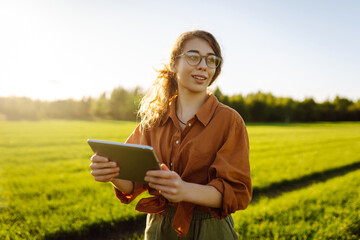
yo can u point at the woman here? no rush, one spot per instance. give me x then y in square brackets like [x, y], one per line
[202, 144]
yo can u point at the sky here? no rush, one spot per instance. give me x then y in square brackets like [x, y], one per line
[52, 50]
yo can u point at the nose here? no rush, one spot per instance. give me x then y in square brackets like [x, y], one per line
[202, 63]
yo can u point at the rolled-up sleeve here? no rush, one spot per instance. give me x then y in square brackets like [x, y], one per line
[230, 171]
[136, 137]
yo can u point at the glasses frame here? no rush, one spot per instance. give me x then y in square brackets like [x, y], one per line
[201, 58]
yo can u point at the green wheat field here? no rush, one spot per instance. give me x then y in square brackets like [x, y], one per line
[306, 180]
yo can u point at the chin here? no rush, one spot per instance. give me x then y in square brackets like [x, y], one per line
[199, 89]
[194, 87]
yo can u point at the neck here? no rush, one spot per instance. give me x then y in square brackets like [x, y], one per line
[189, 103]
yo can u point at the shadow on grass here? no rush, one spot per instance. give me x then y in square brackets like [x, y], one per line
[276, 189]
[115, 230]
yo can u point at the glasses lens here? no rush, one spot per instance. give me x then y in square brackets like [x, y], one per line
[192, 58]
[212, 61]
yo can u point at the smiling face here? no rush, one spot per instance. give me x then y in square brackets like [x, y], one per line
[194, 79]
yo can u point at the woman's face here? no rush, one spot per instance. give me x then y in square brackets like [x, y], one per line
[194, 79]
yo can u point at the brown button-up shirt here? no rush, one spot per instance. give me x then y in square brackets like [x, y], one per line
[213, 149]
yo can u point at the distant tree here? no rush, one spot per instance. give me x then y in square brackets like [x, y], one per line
[217, 93]
[119, 104]
[221, 97]
[100, 107]
[237, 102]
[285, 108]
[341, 108]
[17, 108]
[257, 107]
[327, 111]
[67, 109]
[124, 103]
[354, 111]
[84, 108]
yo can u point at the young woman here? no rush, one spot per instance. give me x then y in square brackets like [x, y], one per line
[202, 144]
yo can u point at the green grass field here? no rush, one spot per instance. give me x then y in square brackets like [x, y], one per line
[305, 176]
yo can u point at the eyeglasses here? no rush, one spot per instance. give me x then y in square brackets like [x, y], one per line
[194, 58]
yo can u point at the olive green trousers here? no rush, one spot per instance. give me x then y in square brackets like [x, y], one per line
[204, 226]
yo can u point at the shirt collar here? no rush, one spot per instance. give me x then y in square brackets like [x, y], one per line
[169, 112]
[204, 114]
[207, 110]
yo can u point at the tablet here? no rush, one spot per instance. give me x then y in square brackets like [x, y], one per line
[134, 160]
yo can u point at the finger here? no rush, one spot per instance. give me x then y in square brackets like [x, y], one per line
[158, 180]
[172, 183]
[103, 165]
[105, 178]
[98, 158]
[164, 167]
[163, 189]
[160, 174]
[105, 171]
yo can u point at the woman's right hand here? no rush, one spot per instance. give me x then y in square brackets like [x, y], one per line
[102, 169]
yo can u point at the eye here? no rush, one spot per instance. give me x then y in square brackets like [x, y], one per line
[193, 56]
[211, 59]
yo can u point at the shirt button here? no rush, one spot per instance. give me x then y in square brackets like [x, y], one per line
[171, 164]
[189, 124]
[177, 141]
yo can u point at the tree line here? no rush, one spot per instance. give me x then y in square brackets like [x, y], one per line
[122, 104]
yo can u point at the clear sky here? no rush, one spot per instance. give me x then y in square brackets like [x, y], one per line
[71, 49]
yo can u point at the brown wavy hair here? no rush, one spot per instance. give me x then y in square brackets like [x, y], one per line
[155, 104]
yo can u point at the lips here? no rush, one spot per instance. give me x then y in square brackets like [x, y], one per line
[199, 78]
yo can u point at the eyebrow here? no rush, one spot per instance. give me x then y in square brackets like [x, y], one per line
[199, 52]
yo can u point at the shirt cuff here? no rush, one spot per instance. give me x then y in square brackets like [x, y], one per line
[233, 199]
[218, 212]
[128, 198]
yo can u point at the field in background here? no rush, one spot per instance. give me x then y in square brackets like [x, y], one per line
[305, 179]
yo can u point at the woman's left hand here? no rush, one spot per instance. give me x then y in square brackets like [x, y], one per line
[168, 183]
